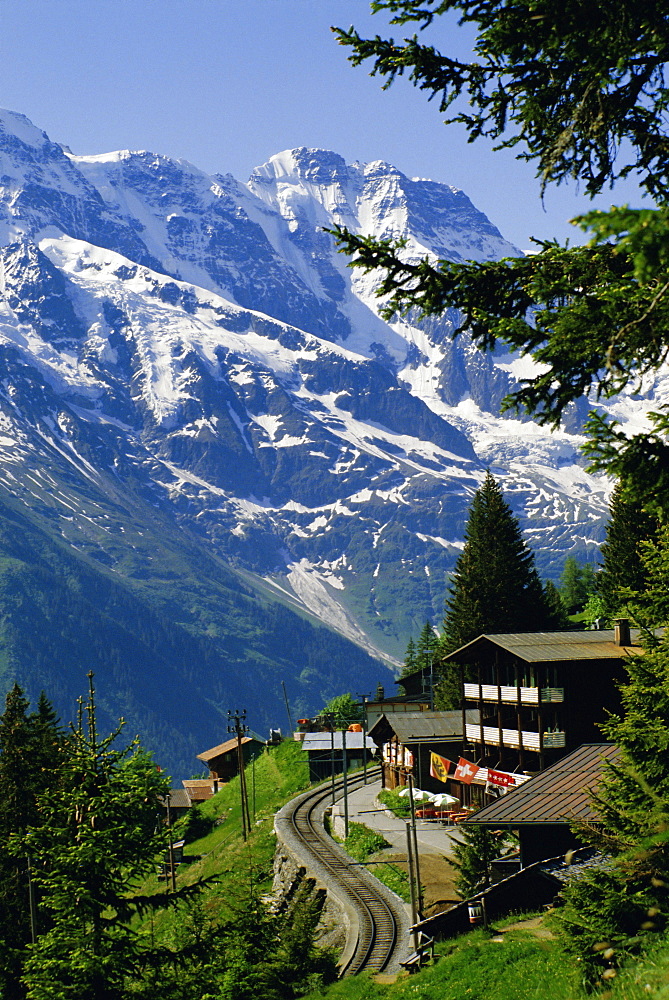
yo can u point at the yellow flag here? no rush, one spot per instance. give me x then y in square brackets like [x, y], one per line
[439, 767]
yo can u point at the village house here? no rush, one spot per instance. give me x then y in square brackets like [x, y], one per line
[418, 701]
[223, 760]
[540, 695]
[407, 741]
[542, 810]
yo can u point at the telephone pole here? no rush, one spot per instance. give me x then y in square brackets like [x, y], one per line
[236, 724]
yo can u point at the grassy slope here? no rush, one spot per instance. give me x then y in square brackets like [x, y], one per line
[521, 967]
[280, 774]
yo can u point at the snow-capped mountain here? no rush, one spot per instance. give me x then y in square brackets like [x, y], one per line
[194, 348]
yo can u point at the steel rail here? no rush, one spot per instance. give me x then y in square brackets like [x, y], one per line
[378, 917]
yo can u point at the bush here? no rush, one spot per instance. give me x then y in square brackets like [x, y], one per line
[391, 799]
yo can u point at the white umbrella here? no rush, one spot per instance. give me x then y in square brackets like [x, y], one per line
[418, 794]
[442, 799]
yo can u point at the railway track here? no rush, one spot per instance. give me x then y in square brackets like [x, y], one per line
[378, 937]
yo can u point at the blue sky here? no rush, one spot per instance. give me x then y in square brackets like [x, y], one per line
[227, 83]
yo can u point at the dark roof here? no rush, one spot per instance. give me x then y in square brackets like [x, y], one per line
[541, 647]
[226, 747]
[584, 860]
[421, 698]
[415, 727]
[198, 789]
[560, 794]
[179, 799]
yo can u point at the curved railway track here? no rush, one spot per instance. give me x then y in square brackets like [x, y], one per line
[377, 932]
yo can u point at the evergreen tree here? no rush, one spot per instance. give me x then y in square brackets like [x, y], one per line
[577, 583]
[409, 659]
[96, 835]
[495, 586]
[623, 568]
[473, 856]
[629, 900]
[580, 90]
[28, 766]
[555, 605]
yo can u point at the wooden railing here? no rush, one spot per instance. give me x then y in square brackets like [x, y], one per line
[509, 695]
[512, 738]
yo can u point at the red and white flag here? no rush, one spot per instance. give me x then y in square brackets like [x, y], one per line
[501, 778]
[465, 771]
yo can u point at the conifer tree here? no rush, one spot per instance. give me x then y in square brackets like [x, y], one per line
[628, 901]
[495, 586]
[428, 642]
[28, 765]
[577, 583]
[473, 856]
[623, 568]
[555, 605]
[96, 835]
[409, 659]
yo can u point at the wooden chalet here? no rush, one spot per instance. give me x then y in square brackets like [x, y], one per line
[407, 739]
[540, 695]
[223, 760]
[542, 809]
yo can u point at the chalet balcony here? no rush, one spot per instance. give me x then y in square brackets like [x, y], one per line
[511, 738]
[509, 695]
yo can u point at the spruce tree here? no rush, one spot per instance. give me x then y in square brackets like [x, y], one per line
[473, 857]
[28, 766]
[426, 647]
[97, 834]
[628, 901]
[409, 659]
[555, 605]
[495, 586]
[577, 583]
[623, 568]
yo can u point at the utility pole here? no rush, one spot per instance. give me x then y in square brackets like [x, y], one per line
[328, 720]
[412, 886]
[239, 728]
[416, 861]
[285, 698]
[344, 763]
[171, 843]
[363, 701]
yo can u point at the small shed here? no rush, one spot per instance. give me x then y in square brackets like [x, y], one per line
[326, 752]
[408, 739]
[198, 789]
[223, 760]
[401, 703]
[542, 809]
[179, 803]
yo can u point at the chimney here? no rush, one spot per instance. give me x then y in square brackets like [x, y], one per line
[380, 692]
[622, 632]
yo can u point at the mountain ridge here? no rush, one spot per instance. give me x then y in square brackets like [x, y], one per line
[188, 355]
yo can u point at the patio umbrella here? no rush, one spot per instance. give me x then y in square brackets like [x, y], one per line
[442, 799]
